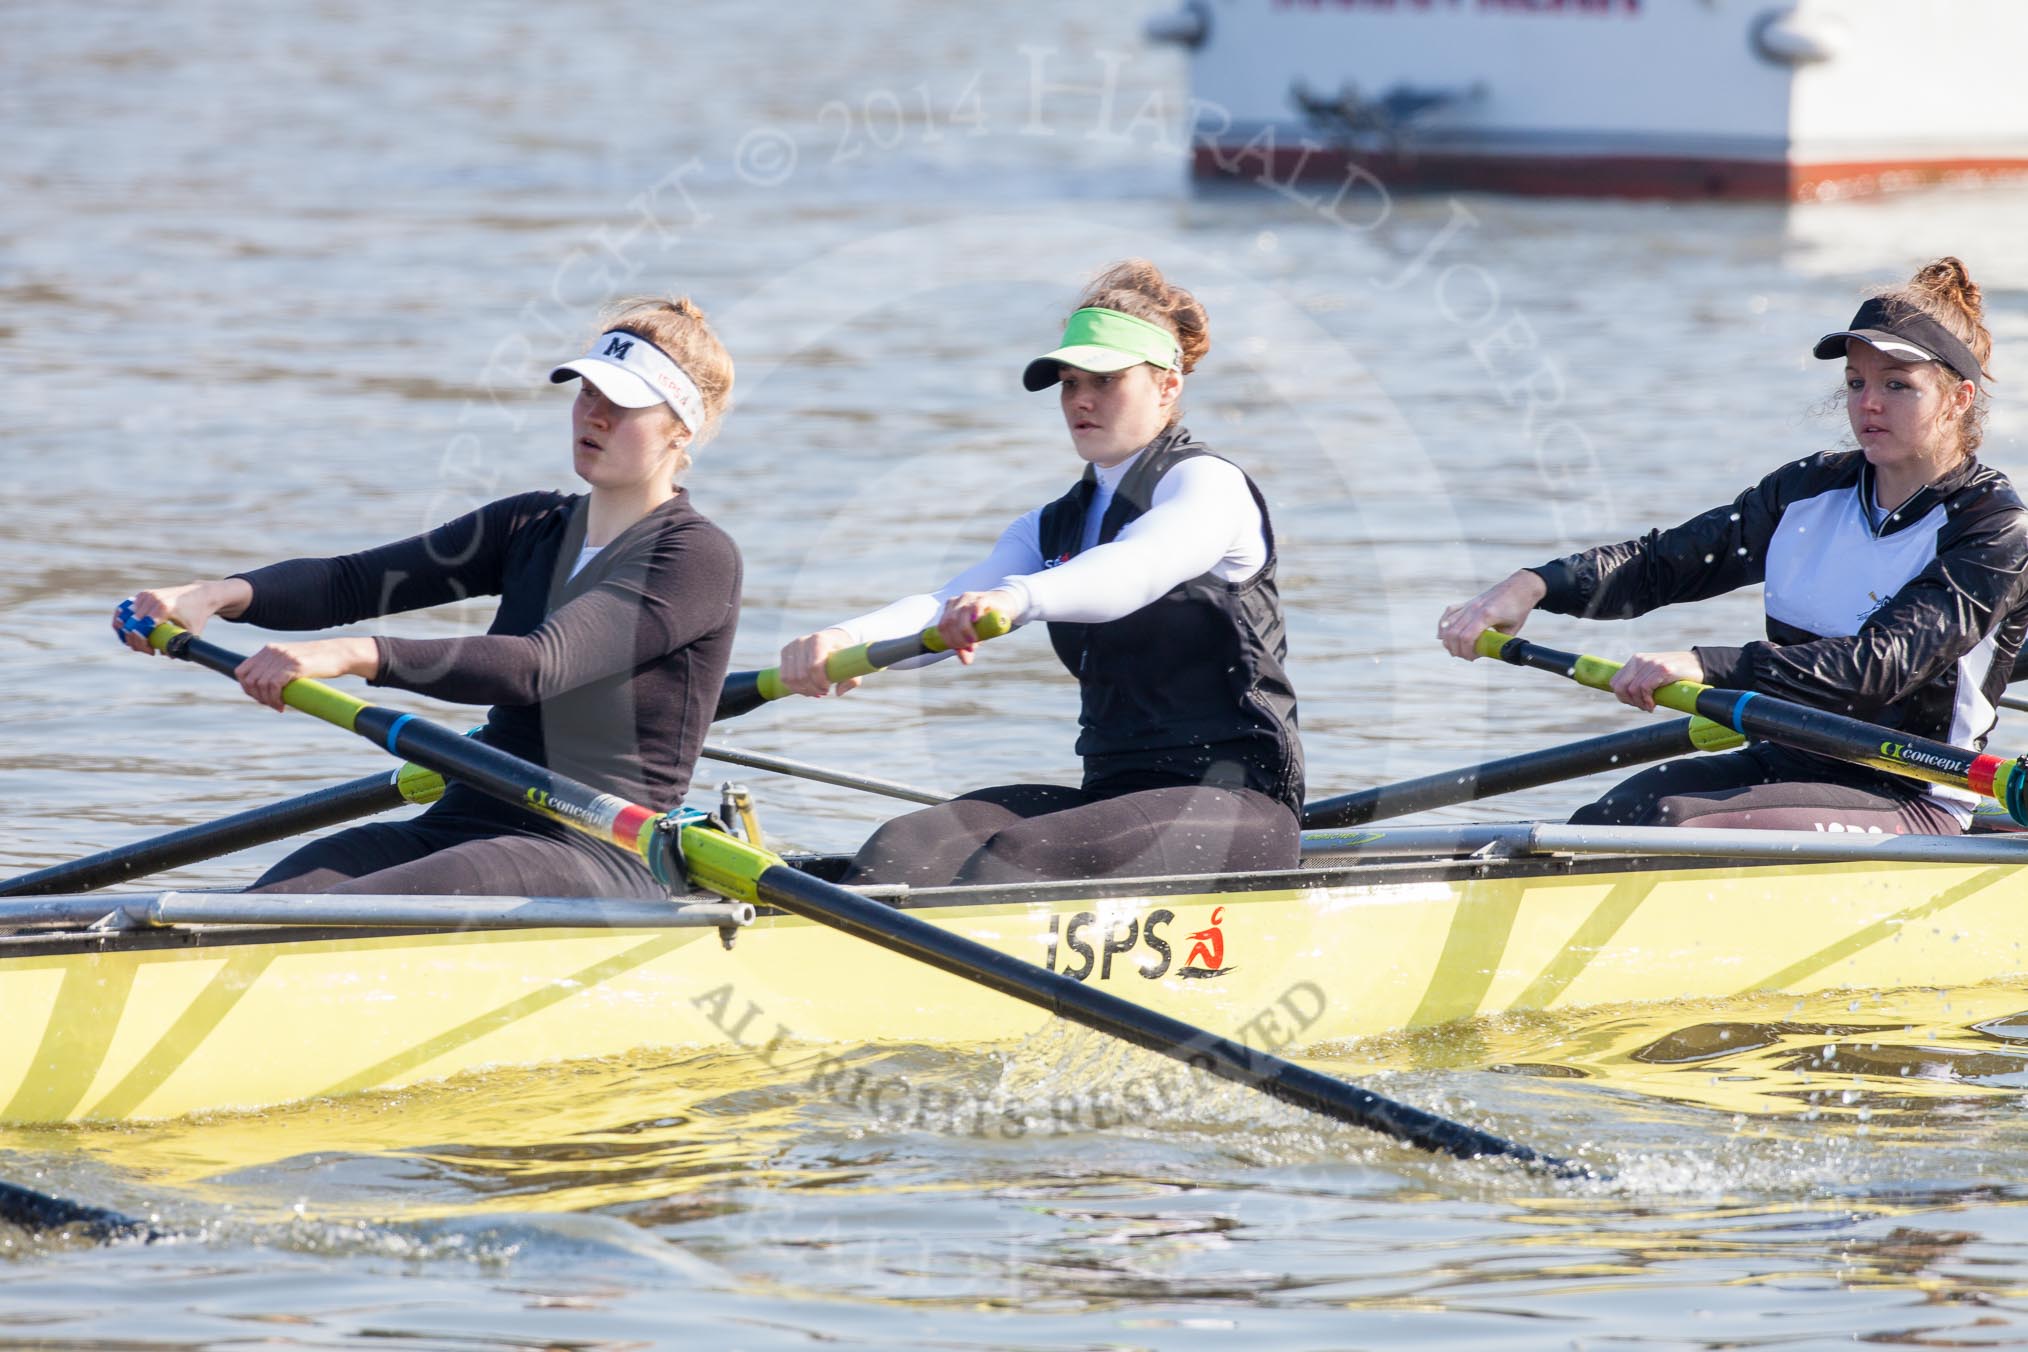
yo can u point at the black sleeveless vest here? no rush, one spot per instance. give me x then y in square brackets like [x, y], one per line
[1190, 688]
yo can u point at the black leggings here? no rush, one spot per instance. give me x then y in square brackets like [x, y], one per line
[1772, 789]
[1021, 833]
[455, 855]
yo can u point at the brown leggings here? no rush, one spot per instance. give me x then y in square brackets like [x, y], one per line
[1770, 789]
[450, 854]
[1020, 833]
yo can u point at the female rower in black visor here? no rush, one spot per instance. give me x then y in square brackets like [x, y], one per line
[604, 661]
[1894, 586]
[1156, 576]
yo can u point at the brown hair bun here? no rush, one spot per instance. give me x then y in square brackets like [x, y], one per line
[1136, 287]
[1944, 290]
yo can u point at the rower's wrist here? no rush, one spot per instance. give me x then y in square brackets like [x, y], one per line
[228, 597]
[1019, 600]
[1528, 586]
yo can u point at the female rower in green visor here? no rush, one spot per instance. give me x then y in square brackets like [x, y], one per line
[1155, 574]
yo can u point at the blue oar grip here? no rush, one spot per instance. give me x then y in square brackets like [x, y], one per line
[130, 623]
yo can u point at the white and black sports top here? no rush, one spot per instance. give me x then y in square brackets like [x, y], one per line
[1203, 520]
[1156, 577]
[1910, 618]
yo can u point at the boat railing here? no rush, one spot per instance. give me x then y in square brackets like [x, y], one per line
[109, 913]
[1514, 840]
[1329, 856]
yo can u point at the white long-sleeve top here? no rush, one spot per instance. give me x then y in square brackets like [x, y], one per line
[1202, 519]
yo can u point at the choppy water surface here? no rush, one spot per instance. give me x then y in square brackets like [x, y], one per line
[275, 282]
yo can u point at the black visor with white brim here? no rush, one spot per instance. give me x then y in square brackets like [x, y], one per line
[634, 373]
[1907, 334]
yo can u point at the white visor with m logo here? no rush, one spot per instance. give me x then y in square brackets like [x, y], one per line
[634, 373]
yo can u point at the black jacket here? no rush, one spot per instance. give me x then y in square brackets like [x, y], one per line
[1911, 619]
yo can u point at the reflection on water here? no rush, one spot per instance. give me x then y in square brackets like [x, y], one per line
[268, 276]
[1790, 1153]
[1875, 1061]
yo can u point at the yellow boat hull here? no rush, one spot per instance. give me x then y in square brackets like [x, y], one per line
[119, 1029]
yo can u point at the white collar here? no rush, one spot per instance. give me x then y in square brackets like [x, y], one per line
[1109, 476]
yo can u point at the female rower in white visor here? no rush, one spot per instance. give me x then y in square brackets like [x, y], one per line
[1894, 591]
[604, 661]
[1156, 577]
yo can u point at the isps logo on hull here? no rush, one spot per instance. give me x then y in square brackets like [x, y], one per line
[1087, 944]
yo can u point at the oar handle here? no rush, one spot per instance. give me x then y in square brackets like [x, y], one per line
[1595, 672]
[310, 697]
[652, 836]
[745, 691]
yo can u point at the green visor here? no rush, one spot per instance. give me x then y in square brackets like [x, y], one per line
[1105, 340]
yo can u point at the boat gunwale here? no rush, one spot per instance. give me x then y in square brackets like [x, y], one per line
[53, 941]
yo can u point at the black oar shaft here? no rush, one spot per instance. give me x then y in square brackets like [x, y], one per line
[192, 844]
[1086, 1004]
[741, 694]
[1635, 746]
[39, 1212]
[1799, 726]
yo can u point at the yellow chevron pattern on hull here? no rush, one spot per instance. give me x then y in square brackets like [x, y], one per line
[127, 1028]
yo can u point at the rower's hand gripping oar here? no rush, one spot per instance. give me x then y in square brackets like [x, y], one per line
[410, 784]
[745, 691]
[1797, 725]
[679, 845]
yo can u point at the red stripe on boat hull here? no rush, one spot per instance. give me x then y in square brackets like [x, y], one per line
[1655, 176]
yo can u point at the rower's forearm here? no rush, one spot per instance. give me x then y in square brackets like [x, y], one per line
[360, 656]
[228, 597]
[896, 619]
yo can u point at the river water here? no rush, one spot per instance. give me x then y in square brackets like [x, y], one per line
[281, 280]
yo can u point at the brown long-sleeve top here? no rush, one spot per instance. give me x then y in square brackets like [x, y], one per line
[610, 677]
